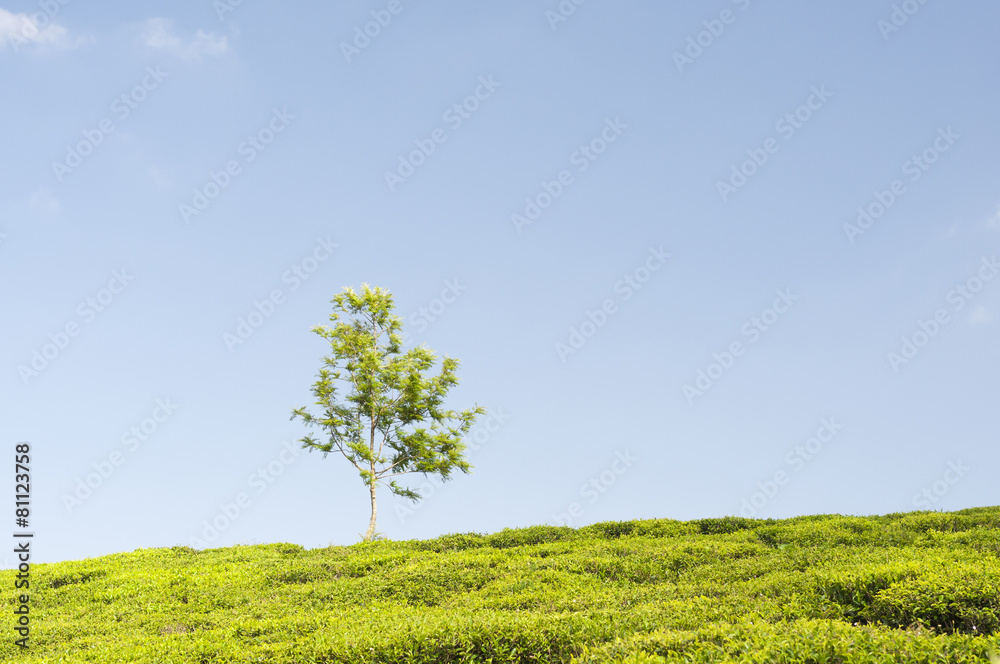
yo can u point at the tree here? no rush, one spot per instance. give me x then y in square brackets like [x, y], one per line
[392, 422]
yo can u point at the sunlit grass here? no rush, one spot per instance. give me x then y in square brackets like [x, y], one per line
[920, 587]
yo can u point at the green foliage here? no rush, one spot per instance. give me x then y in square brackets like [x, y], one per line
[508, 538]
[642, 528]
[392, 422]
[801, 641]
[916, 587]
[729, 524]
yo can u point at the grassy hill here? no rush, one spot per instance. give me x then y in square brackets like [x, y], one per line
[919, 587]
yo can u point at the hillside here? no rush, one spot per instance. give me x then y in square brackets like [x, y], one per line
[919, 587]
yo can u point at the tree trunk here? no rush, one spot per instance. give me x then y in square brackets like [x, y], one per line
[371, 523]
[370, 535]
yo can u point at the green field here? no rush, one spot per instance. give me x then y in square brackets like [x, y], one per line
[918, 587]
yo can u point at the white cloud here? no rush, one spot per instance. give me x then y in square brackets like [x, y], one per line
[159, 35]
[43, 201]
[21, 30]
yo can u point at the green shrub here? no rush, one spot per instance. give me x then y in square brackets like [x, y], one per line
[920, 587]
[508, 537]
[958, 600]
[726, 525]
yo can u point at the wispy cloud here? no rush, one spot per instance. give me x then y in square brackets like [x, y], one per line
[20, 30]
[158, 34]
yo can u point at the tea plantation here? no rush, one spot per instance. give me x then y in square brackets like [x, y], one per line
[919, 587]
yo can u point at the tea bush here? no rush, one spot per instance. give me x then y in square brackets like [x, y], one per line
[920, 587]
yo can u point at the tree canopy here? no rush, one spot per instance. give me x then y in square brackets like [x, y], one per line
[391, 420]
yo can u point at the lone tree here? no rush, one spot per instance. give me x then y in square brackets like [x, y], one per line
[391, 423]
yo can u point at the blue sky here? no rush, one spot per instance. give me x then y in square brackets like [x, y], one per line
[726, 258]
